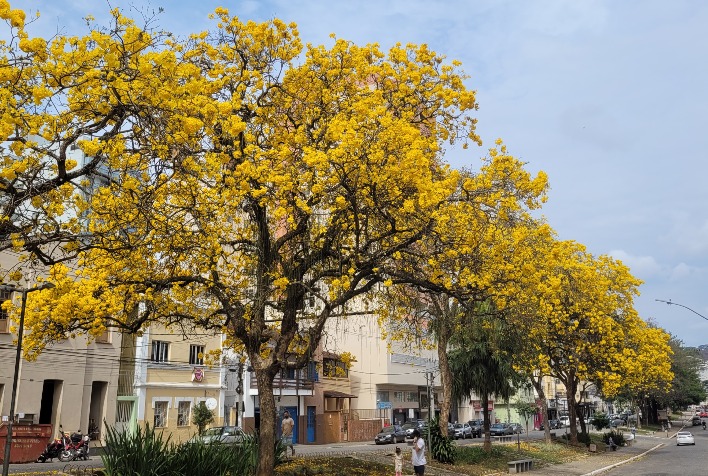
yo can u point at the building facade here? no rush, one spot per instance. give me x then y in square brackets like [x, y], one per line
[72, 384]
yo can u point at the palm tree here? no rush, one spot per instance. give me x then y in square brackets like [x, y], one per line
[480, 363]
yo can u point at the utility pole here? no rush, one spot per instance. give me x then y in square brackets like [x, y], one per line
[429, 383]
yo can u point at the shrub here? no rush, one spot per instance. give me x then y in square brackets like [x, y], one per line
[600, 421]
[617, 437]
[146, 452]
[142, 452]
[441, 447]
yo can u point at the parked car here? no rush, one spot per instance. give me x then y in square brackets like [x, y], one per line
[390, 434]
[615, 422]
[228, 435]
[451, 430]
[703, 414]
[476, 428]
[516, 428]
[499, 429]
[696, 421]
[408, 427]
[463, 430]
[552, 424]
[684, 438]
[564, 421]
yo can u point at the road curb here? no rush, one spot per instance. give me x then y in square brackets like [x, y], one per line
[607, 468]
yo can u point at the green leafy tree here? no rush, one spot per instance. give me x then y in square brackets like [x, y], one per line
[202, 417]
[480, 363]
[527, 410]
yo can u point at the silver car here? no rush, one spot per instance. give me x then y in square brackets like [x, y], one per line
[228, 435]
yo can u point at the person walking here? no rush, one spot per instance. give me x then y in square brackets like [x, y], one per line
[418, 454]
[286, 431]
[398, 462]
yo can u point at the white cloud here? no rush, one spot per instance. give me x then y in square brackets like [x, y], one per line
[643, 267]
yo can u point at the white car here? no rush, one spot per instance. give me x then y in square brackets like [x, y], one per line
[684, 438]
[565, 420]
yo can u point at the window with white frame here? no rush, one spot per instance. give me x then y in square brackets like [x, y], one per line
[160, 351]
[160, 420]
[382, 396]
[398, 397]
[4, 317]
[183, 409]
[196, 355]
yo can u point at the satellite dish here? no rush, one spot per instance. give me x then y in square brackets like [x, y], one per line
[210, 403]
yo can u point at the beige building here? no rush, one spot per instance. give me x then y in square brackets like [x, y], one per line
[163, 376]
[73, 383]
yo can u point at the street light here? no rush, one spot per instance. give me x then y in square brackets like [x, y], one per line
[669, 302]
[18, 356]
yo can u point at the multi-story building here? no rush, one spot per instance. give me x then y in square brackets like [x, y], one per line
[72, 383]
[163, 375]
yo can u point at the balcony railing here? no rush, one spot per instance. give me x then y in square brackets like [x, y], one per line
[294, 381]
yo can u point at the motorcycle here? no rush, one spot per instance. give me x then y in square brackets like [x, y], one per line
[55, 448]
[78, 448]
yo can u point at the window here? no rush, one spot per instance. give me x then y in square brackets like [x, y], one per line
[160, 415]
[382, 396]
[183, 409]
[411, 396]
[334, 368]
[104, 338]
[4, 318]
[159, 351]
[398, 397]
[312, 372]
[196, 354]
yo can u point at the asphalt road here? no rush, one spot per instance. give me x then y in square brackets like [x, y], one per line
[671, 460]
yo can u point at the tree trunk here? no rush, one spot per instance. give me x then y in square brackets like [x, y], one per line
[538, 385]
[445, 380]
[485, 411]
[267, 433]
[570, 388]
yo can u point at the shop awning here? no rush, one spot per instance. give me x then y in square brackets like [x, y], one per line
[335, 394]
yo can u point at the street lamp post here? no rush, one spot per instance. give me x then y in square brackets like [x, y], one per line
[16, 375]
[669, 302]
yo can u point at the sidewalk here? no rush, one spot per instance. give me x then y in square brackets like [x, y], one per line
[591, 465]
[596, 463]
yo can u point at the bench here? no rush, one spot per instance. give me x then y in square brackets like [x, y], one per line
[520, 466]
[504, 439]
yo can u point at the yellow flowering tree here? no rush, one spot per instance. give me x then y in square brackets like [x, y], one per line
[261, 177]
[71, 109]
[583, 321]
[474, 254]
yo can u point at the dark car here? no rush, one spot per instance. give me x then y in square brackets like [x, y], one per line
[695, 421]
[390, 434]
[476, 427]
[499, 429]
[552, 424]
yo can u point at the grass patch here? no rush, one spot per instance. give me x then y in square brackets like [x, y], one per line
[473, 461]
[334, 466]
[469, 460]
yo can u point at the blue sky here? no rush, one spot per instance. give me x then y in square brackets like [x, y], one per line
[609, 98]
